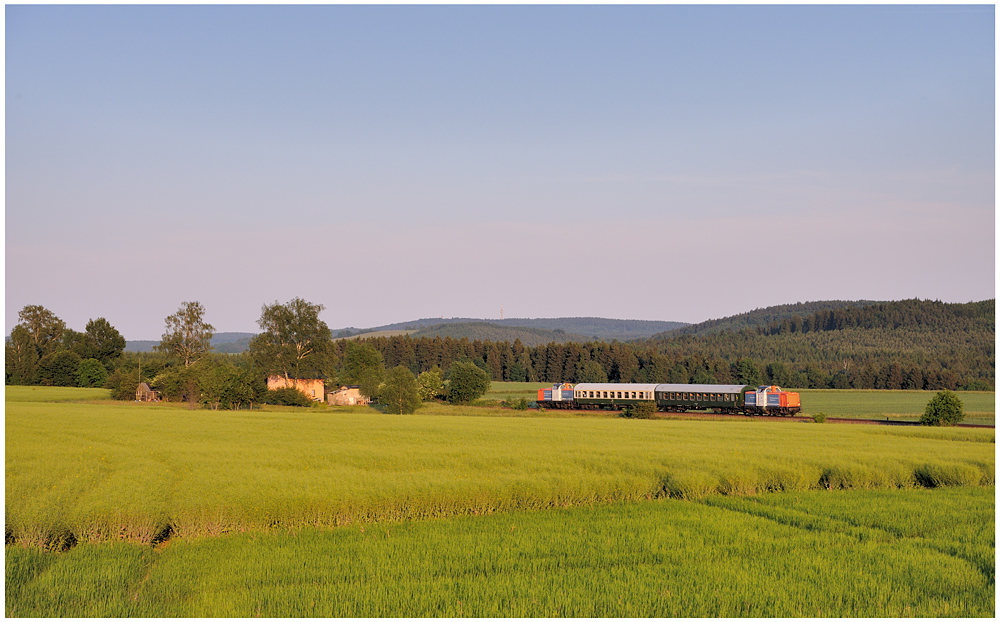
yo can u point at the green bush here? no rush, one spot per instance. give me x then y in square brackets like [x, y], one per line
[91, 373]
[466, 382]
[287, 396]
[944, 409]
[643, 410]
[122, 384]
[819, 417]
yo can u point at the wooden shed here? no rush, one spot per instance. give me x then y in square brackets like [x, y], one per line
[145, 394]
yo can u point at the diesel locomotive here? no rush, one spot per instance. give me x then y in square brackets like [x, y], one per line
[721, 398]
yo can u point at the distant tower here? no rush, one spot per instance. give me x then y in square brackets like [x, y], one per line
[501, 312]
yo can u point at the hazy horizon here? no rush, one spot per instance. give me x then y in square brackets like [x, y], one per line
[672, 163]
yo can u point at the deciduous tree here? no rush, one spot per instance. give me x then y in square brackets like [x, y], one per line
[91, 373]
[20, 357]
[399, 391]
[294, 342]
[188, 337]
[430, 384]
[363, 366]
[944, 409]
[107, 343]
[59, 369]
[43, 326]
[466, 382]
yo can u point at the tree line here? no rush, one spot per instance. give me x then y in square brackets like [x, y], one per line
[904, 345]
[293, 344]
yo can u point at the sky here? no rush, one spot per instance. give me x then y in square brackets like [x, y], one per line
[677, 163]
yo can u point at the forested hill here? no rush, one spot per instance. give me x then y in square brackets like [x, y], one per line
[486, 331]
[229, 343]
[924, 315]
[891, 345]
[762, 317]
[597, 328]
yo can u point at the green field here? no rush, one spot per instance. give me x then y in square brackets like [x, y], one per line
[262, 513]
[811, 554]
[980, 406]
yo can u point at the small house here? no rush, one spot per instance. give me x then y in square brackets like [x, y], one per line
[312, 387]
[145, 394]
[347, 396]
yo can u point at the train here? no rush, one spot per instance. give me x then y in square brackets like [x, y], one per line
[730, 399]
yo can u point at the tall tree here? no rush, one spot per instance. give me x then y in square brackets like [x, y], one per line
[359, 359]
[107, 343]
[188, 337]
[399, 392]
[20, 357]
[43, 326]
[294, 342]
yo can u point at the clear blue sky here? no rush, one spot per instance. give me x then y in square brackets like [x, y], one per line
[653, 162]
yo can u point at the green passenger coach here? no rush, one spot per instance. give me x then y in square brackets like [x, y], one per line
[723, 398]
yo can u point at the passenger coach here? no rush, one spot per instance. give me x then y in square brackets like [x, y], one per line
[678, 398]
[591, 395]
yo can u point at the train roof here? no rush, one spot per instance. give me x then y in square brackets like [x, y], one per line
[701, 388]
[613, 386]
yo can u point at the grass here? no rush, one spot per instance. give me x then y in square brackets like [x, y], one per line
[926, 553]
[54, 394]
[98, 472]
[514, 390]
[980, 406]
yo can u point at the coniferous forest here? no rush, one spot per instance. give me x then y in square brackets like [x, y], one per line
[910, 344]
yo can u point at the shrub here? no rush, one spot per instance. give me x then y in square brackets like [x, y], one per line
[819, 417]
[122, 384]
[91, 373]
[944, 409]
[430, 384]
[643, 410]
[287, 396]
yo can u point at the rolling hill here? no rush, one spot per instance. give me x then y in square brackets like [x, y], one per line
[575, 328]
[762, 317]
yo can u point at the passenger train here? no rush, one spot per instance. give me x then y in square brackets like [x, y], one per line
[721, 398]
